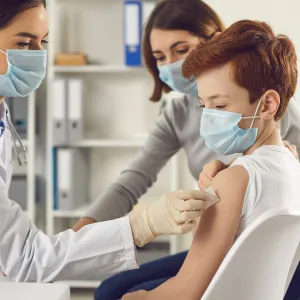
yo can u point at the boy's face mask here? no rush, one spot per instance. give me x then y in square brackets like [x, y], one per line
[222, 134]
[26, 71]
[172, 76]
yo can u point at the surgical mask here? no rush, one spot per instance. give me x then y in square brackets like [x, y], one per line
[25, 73]
[172, 76]
[222, 134]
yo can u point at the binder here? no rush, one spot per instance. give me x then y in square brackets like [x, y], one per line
[147, 8]
[72, 178]
[74, 108]
[59, 127]
[132, 32]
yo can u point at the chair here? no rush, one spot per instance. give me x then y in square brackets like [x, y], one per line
[259, 263]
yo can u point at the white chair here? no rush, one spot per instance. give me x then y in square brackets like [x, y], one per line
[258, 265]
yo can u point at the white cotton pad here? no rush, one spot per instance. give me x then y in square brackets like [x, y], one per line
[214, 199]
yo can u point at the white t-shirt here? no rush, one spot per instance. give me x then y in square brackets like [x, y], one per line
[274, 182]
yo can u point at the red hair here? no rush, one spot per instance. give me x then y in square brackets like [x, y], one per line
[259, 60]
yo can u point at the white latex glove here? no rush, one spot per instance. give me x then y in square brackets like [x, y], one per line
[174, 213]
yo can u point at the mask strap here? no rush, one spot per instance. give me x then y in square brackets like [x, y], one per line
[2, 51]
[255, 113]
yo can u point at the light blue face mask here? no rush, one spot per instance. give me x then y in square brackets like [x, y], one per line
[222, 134]
[25, 73]
[172, 76]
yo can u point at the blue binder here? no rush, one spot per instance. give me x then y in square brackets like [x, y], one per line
[132, 32]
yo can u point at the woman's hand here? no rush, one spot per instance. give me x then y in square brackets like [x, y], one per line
[83, 222]
[209, 172]
[292, 148]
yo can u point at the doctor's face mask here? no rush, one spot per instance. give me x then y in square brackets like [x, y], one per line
[22, 57]
[229, 121]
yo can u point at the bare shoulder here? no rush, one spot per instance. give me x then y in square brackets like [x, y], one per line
[231, 183]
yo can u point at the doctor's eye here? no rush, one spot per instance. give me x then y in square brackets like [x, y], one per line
[220, 106]
[202, 106]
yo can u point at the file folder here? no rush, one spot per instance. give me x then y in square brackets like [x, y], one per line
[74, 108]
[132, 32]
[72, 178]
[147, 8]
[59, 126]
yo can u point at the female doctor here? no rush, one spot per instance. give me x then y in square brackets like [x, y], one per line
[27, 254]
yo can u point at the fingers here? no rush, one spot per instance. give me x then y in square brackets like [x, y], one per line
[188, 216]
[204, 181]
[292, 148]
[186, 227]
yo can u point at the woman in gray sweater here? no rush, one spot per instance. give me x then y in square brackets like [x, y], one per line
[174, 28]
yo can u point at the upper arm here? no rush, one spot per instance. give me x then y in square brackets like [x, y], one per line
[216, 232]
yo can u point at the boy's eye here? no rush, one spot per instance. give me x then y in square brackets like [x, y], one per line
[220, 106]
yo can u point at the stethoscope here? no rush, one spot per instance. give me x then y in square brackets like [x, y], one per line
[21, 151]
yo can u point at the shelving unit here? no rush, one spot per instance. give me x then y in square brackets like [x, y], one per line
[117, 114]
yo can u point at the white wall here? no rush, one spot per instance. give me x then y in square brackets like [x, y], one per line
[283, 16]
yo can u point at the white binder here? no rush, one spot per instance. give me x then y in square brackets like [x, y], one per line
[74, 107]
[59, 126]
[72, 178]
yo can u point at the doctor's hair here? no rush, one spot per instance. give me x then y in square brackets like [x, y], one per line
[259, 60]
[193, 16]
[9, 9]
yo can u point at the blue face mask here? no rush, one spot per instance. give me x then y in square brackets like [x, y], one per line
[222, 134]
[172, 76]
[25, 73]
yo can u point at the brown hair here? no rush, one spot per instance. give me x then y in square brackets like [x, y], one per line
[9, 9]
[193, 16]
[259, 60]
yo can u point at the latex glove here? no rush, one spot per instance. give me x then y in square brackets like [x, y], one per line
[292, 148]
[174, 213]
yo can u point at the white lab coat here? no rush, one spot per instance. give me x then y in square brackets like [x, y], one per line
[27, 254]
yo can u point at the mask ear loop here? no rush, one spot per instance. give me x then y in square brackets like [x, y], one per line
[258, 105]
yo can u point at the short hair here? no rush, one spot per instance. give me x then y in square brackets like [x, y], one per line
[259, 60]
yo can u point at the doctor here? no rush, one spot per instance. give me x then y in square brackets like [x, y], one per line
[27, 254]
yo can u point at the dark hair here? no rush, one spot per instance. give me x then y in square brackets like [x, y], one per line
[9, 9]
[193, 16]
[259, 59]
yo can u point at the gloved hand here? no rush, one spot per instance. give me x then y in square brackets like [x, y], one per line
[174, 213]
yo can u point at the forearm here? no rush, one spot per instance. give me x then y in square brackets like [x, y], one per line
[120, 197]
[174, 289]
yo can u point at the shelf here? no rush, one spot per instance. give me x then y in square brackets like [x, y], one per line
[87, 284]
[76, 213]
[102, 143]
[97, 69]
